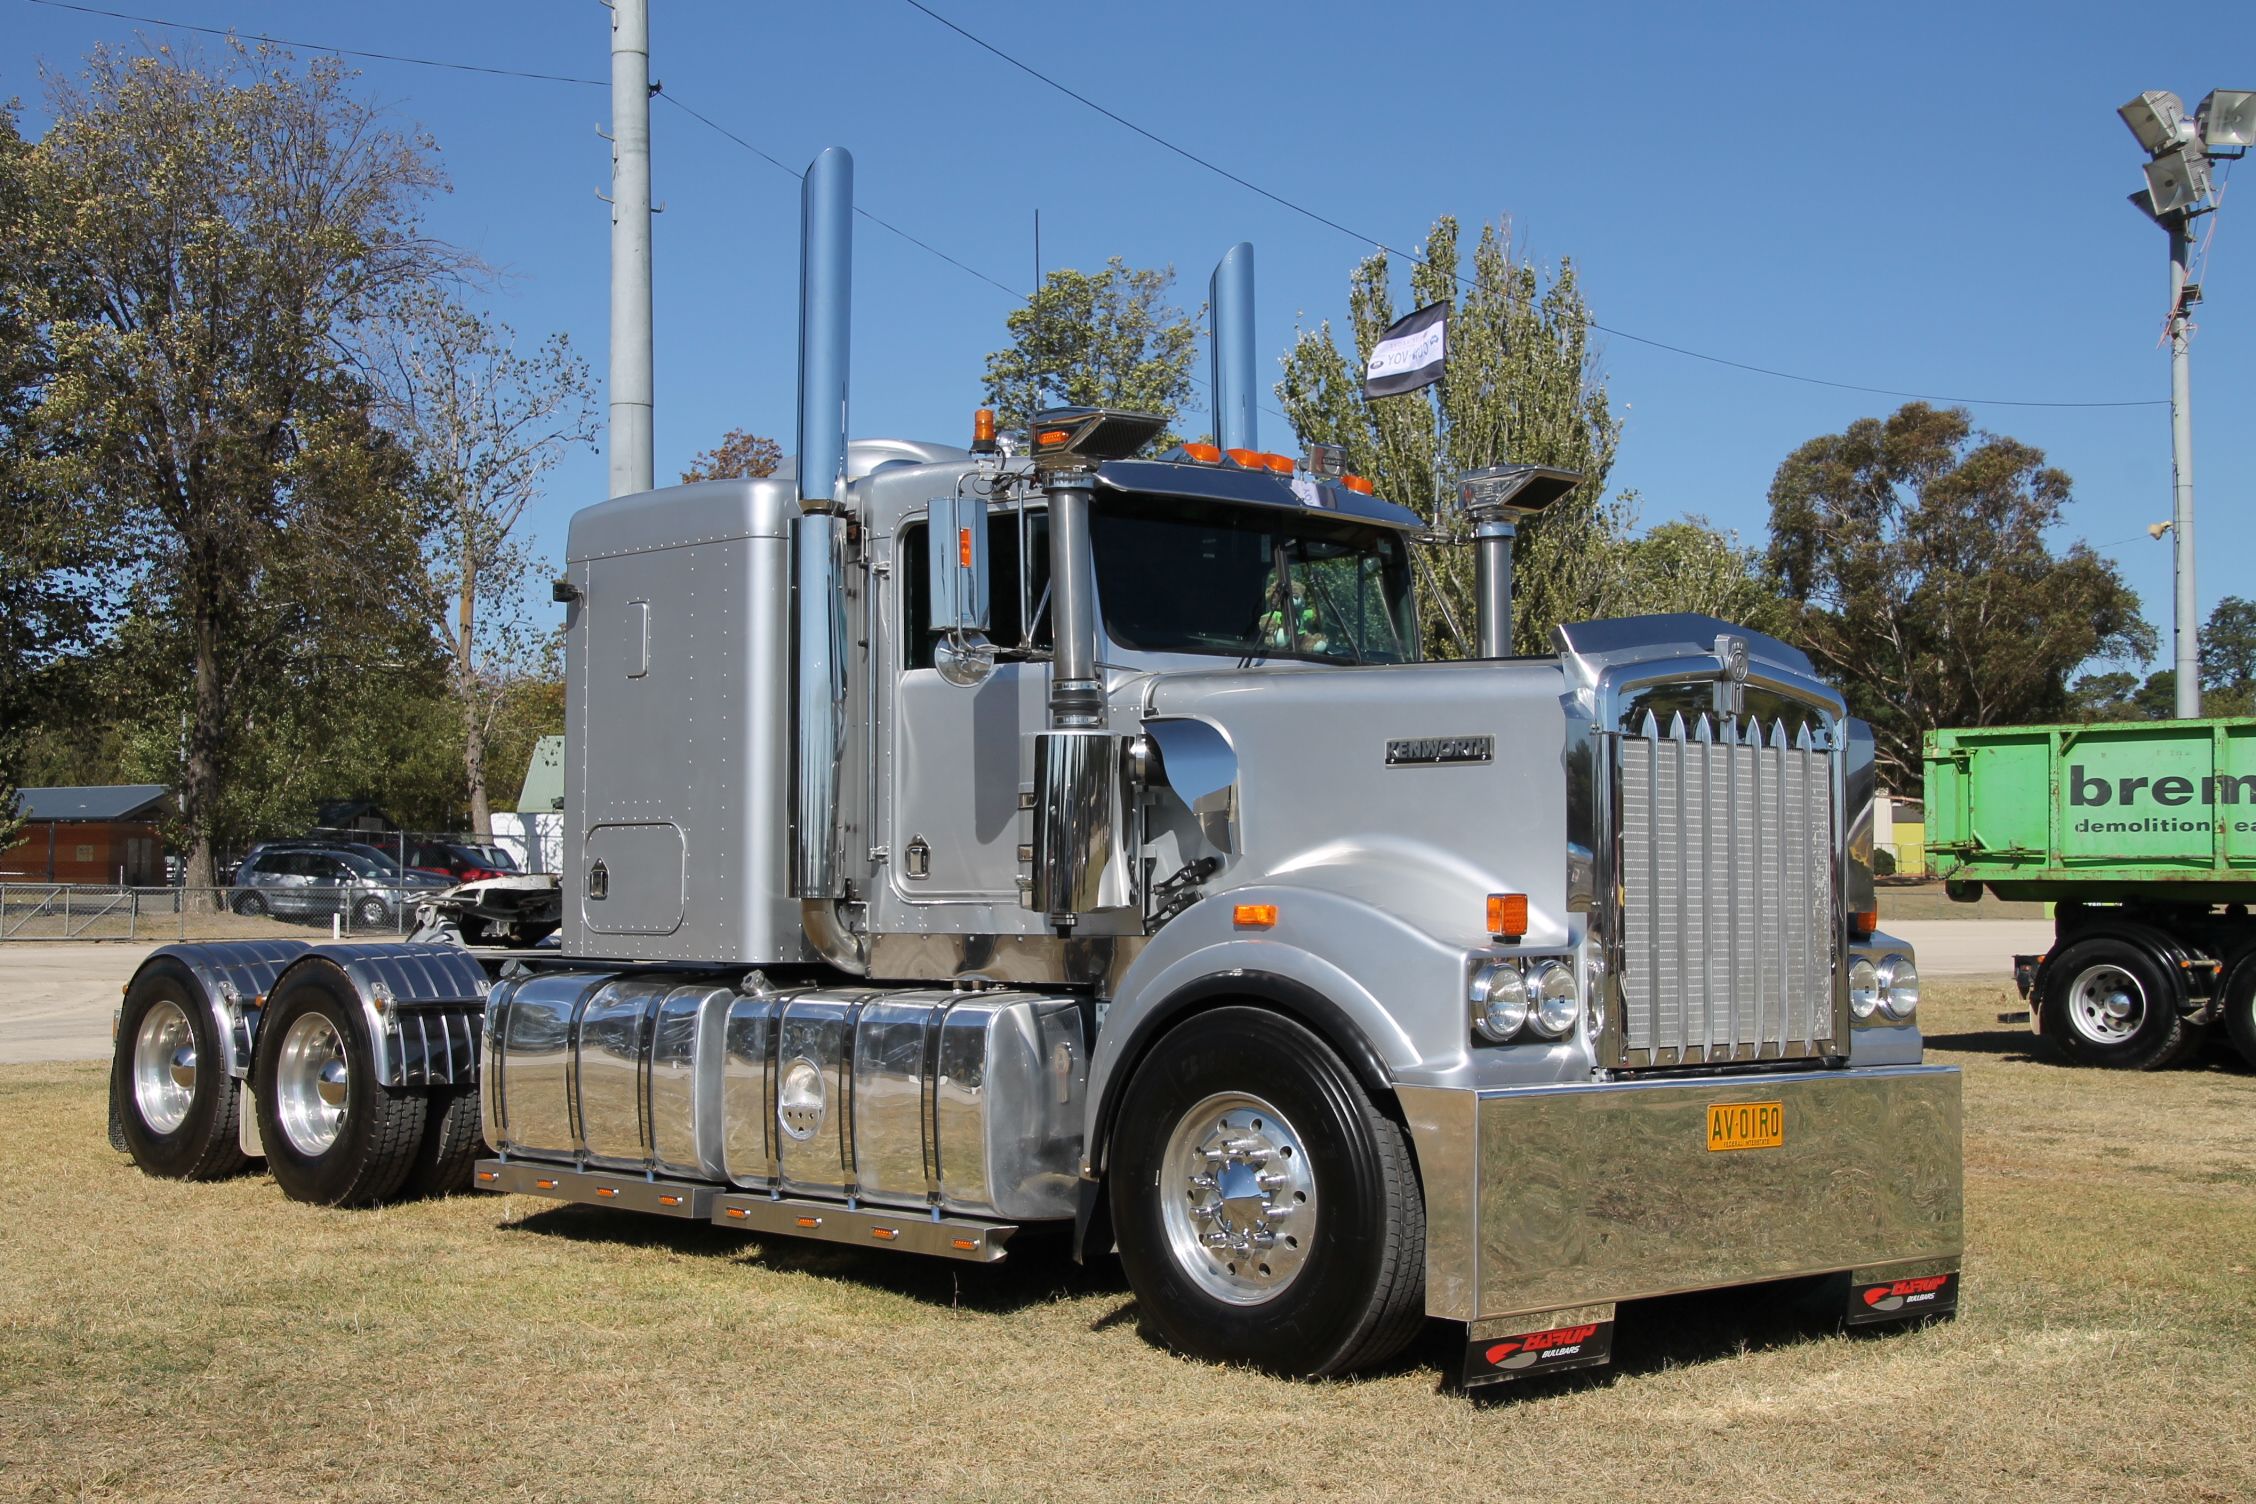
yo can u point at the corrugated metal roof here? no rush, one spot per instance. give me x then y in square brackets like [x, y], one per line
[115, 801]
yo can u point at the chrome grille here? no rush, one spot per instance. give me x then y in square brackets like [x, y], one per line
[1730, 922]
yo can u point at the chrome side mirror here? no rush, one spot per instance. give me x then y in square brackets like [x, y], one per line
[959, 589]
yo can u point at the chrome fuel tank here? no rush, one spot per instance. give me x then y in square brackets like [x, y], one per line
[969, 1102]
[620, 1071]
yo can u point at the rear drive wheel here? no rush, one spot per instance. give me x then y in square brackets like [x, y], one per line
[1267, 1212]
[333, 1134]
[176, 1105]
[2108, 1003]
[452, 1137]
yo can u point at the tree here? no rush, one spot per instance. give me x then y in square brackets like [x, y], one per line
[1522, 385]
[224, 237]
[1687, 565]
[1108, 340]
[738, 456]
[485, 425]
[1914, 549]
[2227, 656]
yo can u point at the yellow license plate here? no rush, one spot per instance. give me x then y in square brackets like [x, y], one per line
[1746, 1125]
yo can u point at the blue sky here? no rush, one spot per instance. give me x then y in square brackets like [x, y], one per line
[1922, 197]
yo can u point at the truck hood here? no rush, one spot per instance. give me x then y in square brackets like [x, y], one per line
[1416, 788]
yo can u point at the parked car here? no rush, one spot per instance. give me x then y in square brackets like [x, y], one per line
[385, 855]
[292, 880]
[463, 861]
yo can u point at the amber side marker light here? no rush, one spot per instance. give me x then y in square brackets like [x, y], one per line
[963, 548]
[1507, 915]
[1254, 916]
[967, 1245]
[1863, 922]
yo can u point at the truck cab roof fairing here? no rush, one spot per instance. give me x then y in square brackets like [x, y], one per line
[1238, 487]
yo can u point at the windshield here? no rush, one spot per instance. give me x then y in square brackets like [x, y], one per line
[1252, 582]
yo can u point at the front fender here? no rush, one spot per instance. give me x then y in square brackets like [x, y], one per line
[1386, 995]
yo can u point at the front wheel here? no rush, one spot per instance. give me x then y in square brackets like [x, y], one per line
[1267, 1212]
[2107, 1003]
[372, 914]
[334, 1135]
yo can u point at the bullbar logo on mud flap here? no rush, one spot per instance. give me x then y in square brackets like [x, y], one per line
[1890, 1299]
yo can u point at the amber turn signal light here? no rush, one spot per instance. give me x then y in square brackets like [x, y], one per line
[1863, 922]
[1507, 915]
[1254, 916]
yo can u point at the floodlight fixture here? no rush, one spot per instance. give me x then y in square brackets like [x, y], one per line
[1512, 492]
[2226, 119]
[2178, 181]
[2157, 118]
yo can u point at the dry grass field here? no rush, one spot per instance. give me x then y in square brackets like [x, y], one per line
[198, 1342]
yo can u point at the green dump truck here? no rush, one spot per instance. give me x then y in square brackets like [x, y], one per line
[2142, 834]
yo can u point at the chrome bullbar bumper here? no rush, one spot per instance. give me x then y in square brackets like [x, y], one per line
[1542, 1198]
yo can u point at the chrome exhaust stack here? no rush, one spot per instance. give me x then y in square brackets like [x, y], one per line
[1496, 501]
[1237, 412]
[818, 534]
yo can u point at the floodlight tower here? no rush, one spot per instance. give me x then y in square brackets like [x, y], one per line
[2179, 188]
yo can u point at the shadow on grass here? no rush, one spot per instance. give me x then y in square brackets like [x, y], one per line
[2007, 1044]
[1039, 1270]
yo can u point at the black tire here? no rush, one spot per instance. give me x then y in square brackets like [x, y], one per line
[372, 914]
[452, 1137]
[250, 905]
[2153, 1036]
[472, 929]
[205, 1143]
[375, 1141]
[1358, 1294]
[2240, 1016]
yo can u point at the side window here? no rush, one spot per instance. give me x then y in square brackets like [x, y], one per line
[912, 567]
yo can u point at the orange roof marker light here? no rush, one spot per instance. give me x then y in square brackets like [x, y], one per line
[1254, 916]
[1507, 915]
[1360, 485]
[1205, 454]
[1282, 464]
[1249, 458]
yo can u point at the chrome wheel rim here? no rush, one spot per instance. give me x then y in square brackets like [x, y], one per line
[164, 1067]
[310, 1077]
[2106, 1005]
[1238, 1197]
[371, 913]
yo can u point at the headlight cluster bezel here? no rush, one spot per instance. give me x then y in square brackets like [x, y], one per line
[1883, 989]
[1529, 999]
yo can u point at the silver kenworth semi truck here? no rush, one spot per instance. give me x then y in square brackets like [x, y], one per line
[960, 840]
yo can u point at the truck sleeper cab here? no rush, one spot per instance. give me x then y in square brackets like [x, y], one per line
[958, 841]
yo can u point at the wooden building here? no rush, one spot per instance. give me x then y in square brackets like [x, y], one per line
[89, 835]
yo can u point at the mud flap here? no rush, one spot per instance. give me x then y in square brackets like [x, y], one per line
[1929, 1296]
[1535, 1344]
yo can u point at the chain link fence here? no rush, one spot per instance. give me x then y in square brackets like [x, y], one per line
[83, 911]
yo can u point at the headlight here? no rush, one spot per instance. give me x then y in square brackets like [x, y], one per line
[1899, 987]
[1556, 1002]
[1500, 1001]
[1864, 988]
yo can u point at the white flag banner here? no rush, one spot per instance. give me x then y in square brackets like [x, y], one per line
[1410, 354]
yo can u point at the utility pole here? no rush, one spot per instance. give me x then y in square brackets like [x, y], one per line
[631, 382]
[2186, 636]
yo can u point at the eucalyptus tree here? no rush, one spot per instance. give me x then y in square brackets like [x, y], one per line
[222, 235]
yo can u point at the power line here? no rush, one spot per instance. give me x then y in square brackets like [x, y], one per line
[561, 78]
[382, 57]
[1372, 240]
